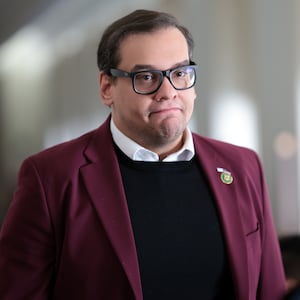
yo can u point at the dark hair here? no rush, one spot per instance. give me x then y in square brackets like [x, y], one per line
[139, 21]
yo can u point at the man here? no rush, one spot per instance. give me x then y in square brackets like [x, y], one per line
[141, 208]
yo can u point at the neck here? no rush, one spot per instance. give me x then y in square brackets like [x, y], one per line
[163, 153]
[165, 149]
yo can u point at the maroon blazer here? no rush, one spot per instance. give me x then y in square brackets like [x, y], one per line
[67, 233]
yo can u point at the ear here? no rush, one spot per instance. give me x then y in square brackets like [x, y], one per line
[105, 88]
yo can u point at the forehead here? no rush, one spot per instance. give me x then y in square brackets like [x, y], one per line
[162, 48]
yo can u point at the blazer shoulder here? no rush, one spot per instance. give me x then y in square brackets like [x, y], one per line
[220, 145]
[66, 157]
[65, 149]
[77, 146]
[227, 152]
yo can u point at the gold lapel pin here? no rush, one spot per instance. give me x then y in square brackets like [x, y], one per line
[225, 176]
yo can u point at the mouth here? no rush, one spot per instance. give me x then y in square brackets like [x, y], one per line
[166, 111]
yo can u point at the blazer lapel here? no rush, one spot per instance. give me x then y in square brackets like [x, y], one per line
[104, 184]
[226, 198]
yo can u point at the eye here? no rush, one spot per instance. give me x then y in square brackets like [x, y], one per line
[146, 76]
[179, 73]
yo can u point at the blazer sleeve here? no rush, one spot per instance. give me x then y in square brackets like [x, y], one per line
[27, 246]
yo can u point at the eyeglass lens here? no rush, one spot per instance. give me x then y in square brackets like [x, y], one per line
[181, 78]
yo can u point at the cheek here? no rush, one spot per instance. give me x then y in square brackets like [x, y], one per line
[131, 105]
[190, 101]
[193, 94]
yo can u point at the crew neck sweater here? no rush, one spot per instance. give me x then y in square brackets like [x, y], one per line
[179, 241]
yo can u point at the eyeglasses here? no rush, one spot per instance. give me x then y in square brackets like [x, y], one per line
[149, 81]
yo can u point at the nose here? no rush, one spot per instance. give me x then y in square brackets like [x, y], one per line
[166, 91]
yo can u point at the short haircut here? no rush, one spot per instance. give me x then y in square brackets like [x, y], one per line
[139, 21]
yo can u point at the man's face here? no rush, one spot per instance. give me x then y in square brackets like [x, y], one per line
[156, 121]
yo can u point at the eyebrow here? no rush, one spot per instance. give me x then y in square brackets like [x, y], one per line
[151, 67]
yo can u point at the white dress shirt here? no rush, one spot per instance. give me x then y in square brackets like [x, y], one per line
[139, 153]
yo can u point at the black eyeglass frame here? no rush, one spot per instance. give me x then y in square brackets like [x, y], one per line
[166, 73]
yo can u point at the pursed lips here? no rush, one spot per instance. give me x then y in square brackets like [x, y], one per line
[165, 110]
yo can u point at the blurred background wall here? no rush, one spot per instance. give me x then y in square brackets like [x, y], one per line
[248, 88]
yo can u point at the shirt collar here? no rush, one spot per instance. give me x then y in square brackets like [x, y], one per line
[139, 153]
